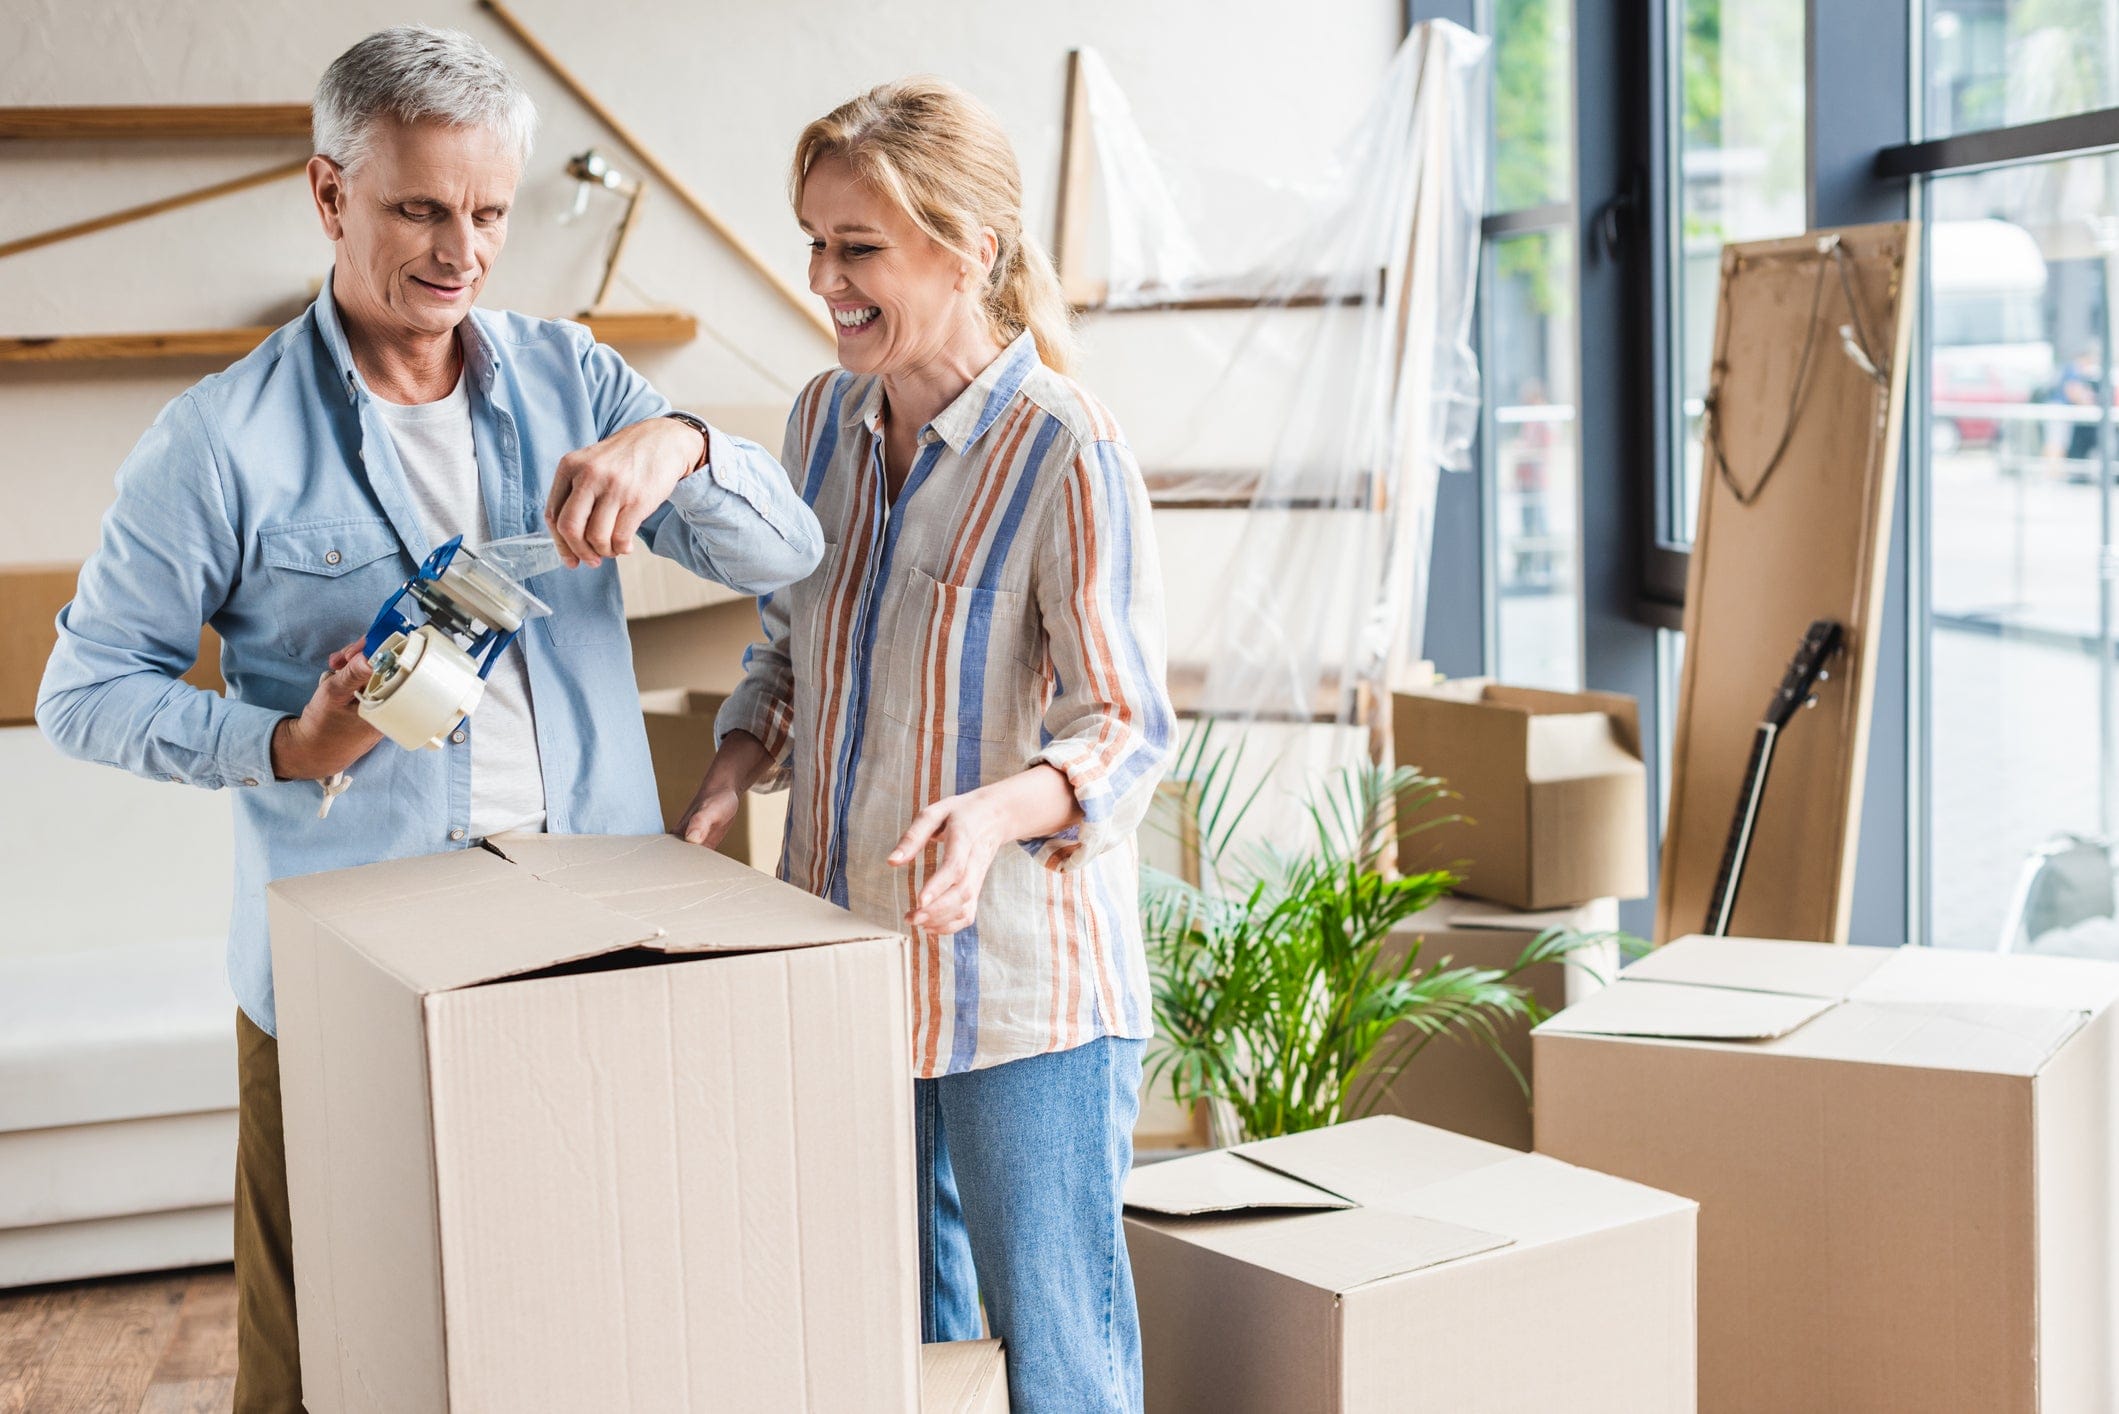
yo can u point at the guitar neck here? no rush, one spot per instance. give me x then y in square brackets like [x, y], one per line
[1721, 905]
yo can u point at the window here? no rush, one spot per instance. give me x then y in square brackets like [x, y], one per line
[1737, 174]
[1534, 486]
[1532, 494]
[2020, 517]
[1998, 63]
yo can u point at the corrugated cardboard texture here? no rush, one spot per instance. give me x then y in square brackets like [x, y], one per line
[1811, 546]
[2078, 1236]
[1905, 1202]
[31, 597]
[360, 1175]
[732, 1237]
[680, 739]
[1456, 1082]
[963, 1377]
[667, 1166]
[1419, 1298]
[1554, 795]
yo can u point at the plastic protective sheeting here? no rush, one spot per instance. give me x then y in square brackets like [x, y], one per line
[1331, 384]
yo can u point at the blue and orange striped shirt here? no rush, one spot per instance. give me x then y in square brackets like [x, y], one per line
[1007, 610]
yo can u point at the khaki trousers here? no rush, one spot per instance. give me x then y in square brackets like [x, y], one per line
[268, 1376]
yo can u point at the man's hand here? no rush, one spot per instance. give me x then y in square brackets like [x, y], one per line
[601, 493]
[330, 735]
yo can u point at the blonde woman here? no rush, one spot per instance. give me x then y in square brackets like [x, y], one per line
[967, 699]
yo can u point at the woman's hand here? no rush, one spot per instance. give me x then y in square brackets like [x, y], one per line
[970, 829]
[712, 811]
[740, 764]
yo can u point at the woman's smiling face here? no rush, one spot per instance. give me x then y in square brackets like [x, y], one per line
[897, 296]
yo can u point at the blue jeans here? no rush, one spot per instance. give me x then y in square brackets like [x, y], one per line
[1022, 1174]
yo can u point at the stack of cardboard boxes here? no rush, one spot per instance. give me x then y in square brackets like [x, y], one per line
[1548, 827]
[600, 1123]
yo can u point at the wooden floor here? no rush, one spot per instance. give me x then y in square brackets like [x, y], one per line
[160, 1344]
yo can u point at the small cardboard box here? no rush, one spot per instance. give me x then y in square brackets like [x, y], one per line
[680, 741]
[1456, 1082]
[1904, 1160]
[1386, 1265]
[963, 1377]
[1554, 795]
[583, 1122]
[31, 597]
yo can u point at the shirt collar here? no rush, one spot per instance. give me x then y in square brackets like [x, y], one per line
[477, 348]
[975, 410]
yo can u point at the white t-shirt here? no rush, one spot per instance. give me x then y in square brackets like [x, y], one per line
[433, 443]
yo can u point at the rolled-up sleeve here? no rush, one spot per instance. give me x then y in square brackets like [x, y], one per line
[1099, 590]
[113, 690]
[737, 520]
[763, 704]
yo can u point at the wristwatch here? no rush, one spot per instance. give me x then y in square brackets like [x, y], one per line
[699, 426]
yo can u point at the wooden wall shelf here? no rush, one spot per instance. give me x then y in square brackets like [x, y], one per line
[642, 326]
[183, 120]
[653, 326]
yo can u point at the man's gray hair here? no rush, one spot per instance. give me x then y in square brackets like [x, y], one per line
[416, 74]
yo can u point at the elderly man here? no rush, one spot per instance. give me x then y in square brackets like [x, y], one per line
[283, 500]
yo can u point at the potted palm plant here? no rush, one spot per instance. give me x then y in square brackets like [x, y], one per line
[1282, 1000]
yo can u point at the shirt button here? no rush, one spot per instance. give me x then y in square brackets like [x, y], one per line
[456, 834]
[331, 557]
[250, 780]
[458, 736]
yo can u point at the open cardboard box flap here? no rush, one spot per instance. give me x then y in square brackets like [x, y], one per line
[1899, 1006]
[1359, 1181]
[1621, 710]
[528, 902]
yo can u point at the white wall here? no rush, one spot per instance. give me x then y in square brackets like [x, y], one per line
[719, 89]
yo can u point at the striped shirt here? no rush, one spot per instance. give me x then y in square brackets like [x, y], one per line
[1005, 611]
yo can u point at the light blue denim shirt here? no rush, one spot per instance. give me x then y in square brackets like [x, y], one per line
[268, 502]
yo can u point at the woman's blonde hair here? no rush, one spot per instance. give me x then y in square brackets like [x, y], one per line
[941, 156]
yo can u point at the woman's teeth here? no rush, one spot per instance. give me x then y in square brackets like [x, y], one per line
[855, 318]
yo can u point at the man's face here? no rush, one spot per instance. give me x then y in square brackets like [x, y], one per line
[418, 224]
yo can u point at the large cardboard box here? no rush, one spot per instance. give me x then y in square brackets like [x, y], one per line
[585, 1122]
[1387, 1265]
[1904, 1160]
[963, 1377]
[1456, 1081]
[680, 741]
[31, 597]
[1554, 796]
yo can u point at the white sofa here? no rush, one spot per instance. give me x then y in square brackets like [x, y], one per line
[117, 1030]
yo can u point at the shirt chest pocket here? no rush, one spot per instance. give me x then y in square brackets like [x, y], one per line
[327, 578]
[964, 661]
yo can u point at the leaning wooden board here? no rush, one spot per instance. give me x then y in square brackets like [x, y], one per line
[1810, 545]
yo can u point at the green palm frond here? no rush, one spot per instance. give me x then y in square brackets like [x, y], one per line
[1282, 985]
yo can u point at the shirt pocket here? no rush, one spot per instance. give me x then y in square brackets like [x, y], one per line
[587, 605]
[327, 578]
[964, 662]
